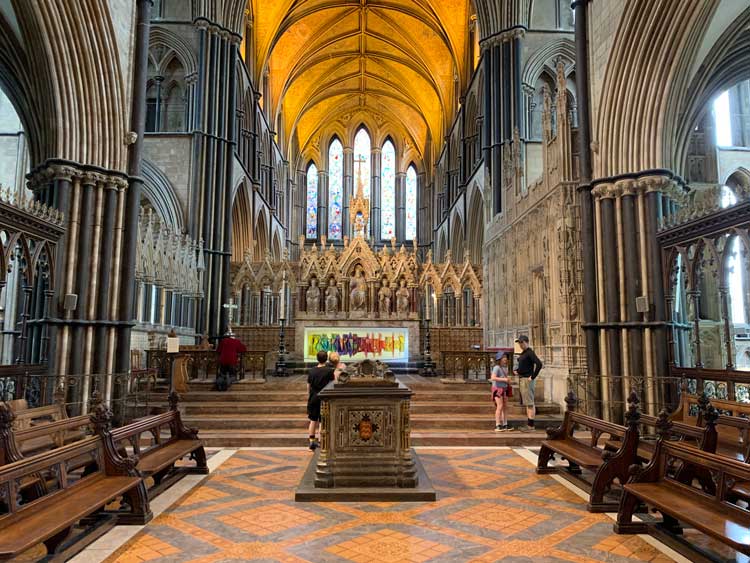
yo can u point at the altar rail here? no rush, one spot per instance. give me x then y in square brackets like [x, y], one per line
[467, 365]
[452, 338]
[202, 365]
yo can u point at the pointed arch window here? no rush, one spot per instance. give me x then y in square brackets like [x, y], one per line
[388, 191]
[411, 203]
[311, 229]
[335, 188]
[362, 163]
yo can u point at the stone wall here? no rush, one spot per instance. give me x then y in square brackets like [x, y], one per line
[172, 154]
[604, 19]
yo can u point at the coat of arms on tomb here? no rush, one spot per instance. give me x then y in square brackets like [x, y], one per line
[366, 428]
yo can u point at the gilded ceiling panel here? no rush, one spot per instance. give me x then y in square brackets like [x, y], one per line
[396, 59]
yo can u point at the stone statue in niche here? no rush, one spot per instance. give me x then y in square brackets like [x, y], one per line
[358, 291]
[332, 298]
[402, 299]
[385, 296]
[313, 297]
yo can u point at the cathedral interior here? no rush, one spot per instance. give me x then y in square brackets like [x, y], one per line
[420, 182]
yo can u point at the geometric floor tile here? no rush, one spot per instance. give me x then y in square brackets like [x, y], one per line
[268, 519]
[508, 520]
[389, 546]
[631, 547]
[147, 548]
[491, 507]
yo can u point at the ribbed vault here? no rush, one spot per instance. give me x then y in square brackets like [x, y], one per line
[399, 59]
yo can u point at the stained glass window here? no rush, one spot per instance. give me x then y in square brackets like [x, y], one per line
[312, 201]
[388, 191]
[411, 203]
[362, 164]
[335, 188]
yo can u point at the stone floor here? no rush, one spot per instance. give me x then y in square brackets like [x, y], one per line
[491, 507]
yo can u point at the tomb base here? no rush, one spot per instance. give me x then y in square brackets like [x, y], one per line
[365, 446]
[308, 492]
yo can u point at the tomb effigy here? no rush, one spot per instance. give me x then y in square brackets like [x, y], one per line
[365, 451]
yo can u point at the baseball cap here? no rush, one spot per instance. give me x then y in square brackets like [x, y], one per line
[523, 338]
[499, 355]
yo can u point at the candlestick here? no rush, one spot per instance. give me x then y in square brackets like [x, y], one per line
[282, 301]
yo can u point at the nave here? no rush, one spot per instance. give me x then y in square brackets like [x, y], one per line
[492, 507]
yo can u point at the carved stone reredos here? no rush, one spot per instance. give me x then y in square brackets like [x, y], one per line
[367, 373]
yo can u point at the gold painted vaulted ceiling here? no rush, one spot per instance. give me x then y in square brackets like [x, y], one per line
[395, 60]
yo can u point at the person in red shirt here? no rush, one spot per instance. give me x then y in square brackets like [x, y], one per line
[229, 350]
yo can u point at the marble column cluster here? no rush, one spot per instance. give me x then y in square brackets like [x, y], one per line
[503, 104]
[211, 206]
[83, 335]
[630, 307]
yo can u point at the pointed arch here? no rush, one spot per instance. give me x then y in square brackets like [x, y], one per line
[362, 159]
[476, 227]
[335, 188]
[161, 194]
[311, 187]
[410, 202]
[388, 190]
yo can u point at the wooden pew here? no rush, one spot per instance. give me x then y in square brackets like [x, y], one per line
[703, 437]
[69, 498]
[708, 510]
[17, 444]
[158, 460]
[27, 417]
[606, 465]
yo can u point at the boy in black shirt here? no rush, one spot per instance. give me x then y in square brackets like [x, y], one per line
[317, 379]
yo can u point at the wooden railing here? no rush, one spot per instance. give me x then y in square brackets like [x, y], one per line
[202, 365]
[728, 385]
[23, 381]
[467, 365]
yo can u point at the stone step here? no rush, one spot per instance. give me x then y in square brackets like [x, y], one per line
[458, 438]
[299, 422]
[300, 407]
[261, 396]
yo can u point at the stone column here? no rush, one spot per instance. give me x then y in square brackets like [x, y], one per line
[132, 202]
[211, 217]
[348, 190]
[322, 203]
[375, 195]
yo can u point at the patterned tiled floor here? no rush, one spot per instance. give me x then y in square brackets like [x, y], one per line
[491, 507]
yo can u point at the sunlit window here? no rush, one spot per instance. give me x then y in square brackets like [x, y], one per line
[362, 148]
[312, 201]
[335, 188]
[388, 191]
[734, 266]
[411, 203]
[723, 120]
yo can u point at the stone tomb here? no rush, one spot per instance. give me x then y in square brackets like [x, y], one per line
[365, 452]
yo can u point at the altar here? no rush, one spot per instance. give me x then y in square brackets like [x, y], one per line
[388, 341]
[363, 298]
